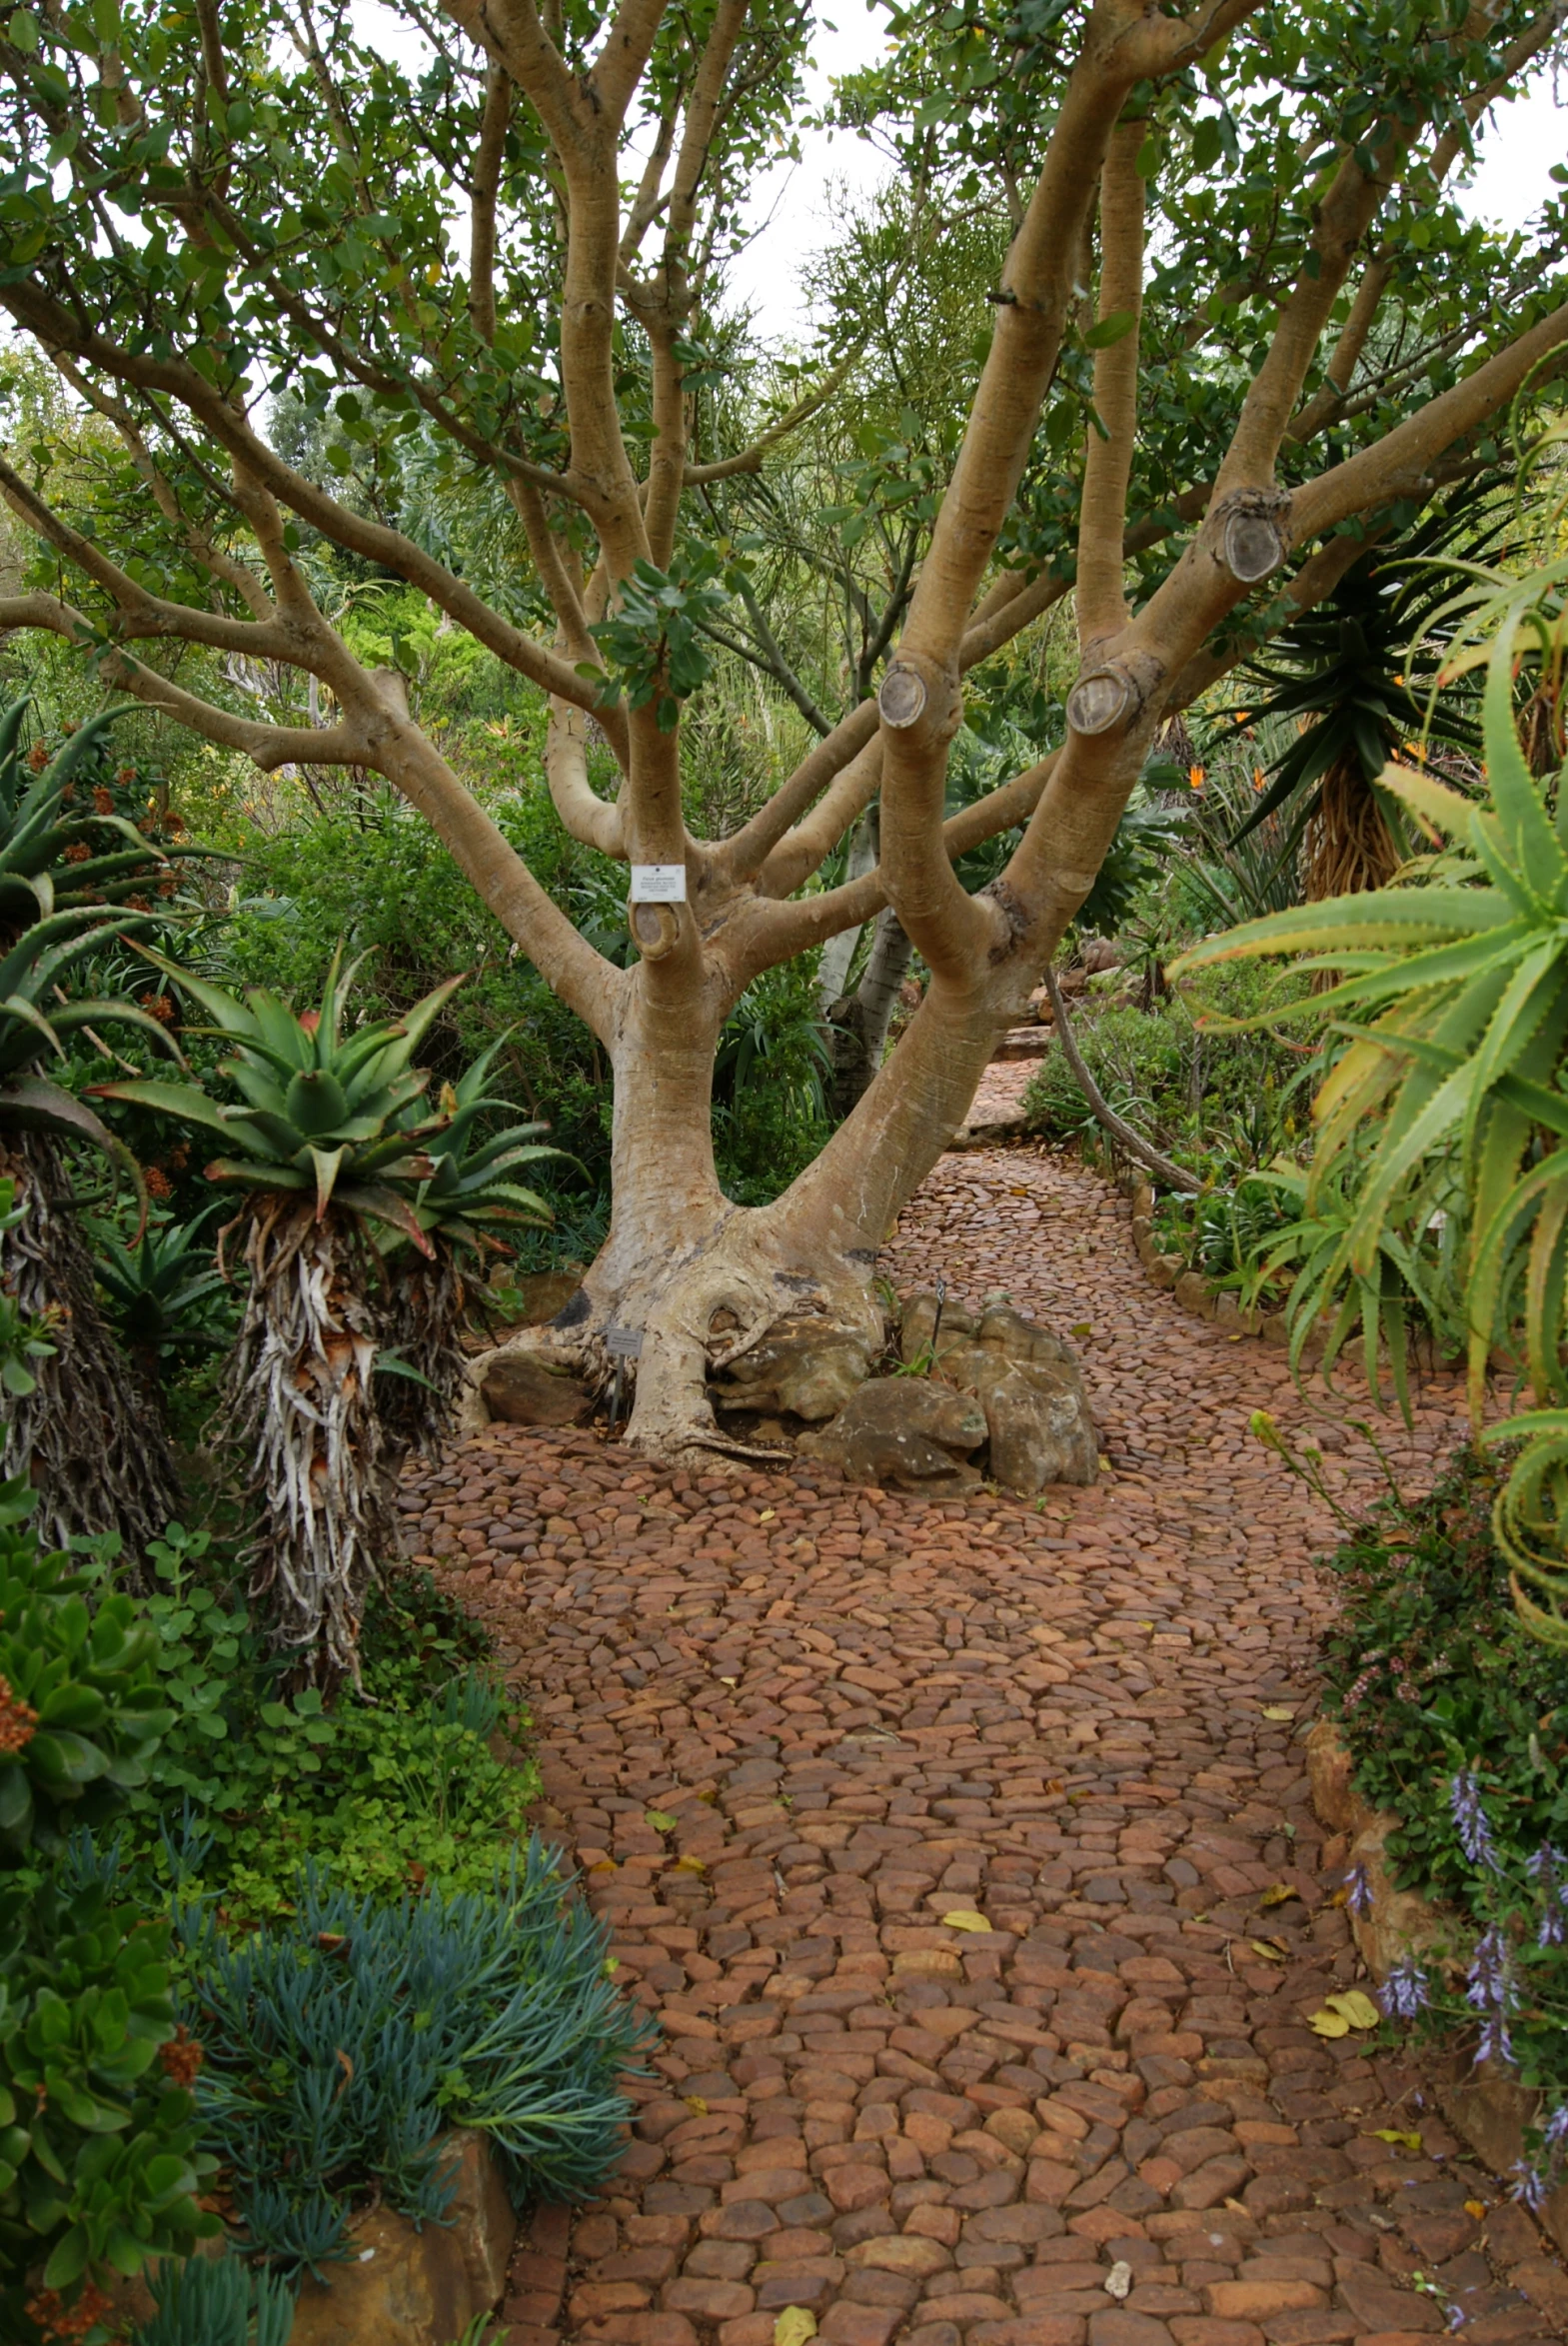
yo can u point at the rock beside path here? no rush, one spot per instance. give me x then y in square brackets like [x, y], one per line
[905, 1433]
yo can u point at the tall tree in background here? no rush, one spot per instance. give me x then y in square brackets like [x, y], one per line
[1238, 325]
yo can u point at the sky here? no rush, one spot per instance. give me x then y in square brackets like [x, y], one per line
[792, 209]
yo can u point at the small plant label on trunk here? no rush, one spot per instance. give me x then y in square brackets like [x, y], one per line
[658, 883]
[624, 1344]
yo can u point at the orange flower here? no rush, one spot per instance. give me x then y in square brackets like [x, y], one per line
[103, 799]
[1242, 715]
[1195, 776]
[78, 852]
[56, 2319]
[18, 1720]
[182, 2059]
[1259, 778]
[158, 1182]
[38, 757]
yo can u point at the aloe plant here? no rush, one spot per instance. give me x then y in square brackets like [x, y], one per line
[86, 1431]
[161, 1286]
[60, 847]
[329, 1146]
[1456, 989]
[464, 1203]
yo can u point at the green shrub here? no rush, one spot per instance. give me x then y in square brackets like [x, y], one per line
[343, 2039]
[1457, 1719]
[98, 2163]
[1214, 1099]
[396, 1787]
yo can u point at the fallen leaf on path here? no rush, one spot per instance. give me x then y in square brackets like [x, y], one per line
[1270, 1951]
[793, 2326]
[1357, 2008]
[1476, 2209]
[766, 1516]
[1392, 2134]
[1327, 2023]
[695, 2105]
[690, 1864]
[1280, 1894]
[1277, 1710]
[659, 1821]
[963, 1920]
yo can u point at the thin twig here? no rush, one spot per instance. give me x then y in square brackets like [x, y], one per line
[1174, 1177]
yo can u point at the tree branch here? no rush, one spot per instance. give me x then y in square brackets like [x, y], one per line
[1107, 468]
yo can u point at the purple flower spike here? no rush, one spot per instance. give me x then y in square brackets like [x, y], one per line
[1530, 2187]
[1471, 1822]
[1490, 1991]
[1358, 1891]
[1404, 1992]
[1546, 1869]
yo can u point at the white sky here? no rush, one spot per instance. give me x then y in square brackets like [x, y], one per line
[1519, 147]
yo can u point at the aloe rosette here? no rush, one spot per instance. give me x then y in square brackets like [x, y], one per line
[328, 1141]
[1453, 994]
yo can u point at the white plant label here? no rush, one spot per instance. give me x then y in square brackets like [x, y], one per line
[624, 1344]
[659, 884]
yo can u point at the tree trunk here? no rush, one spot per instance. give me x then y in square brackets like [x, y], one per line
[832, 971]
[860, 1022]
[701, 1281]
[89, 1434]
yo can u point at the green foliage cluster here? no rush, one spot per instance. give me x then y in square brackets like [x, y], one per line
[252, 1780]
[342, 2043]
[1457, 1720]
[98, 2144]
[1215, 1102]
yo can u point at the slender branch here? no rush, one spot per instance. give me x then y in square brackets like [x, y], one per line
[1107, 469]
[1174, 1177]
[267, 746]
[584, 813]
[487, 159]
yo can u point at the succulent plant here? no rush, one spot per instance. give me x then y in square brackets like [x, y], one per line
[330, 1140]
[59, 851]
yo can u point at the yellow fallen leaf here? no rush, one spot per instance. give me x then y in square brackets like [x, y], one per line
[1357, 2008]
[963, 1920]
[766, 1516]
[1475, 2208]
[793, 2326]
[1270, 1955]
[729, 1681]
[1329, 2023]
[604, 1865]
[695, 2105]
[1278, 1711]
[1392, 2134]
[1341, 1896]
[1280, 1894]
[689, 1864]
[660, 1822]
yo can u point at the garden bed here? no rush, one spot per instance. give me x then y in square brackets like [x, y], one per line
[1441, 1766]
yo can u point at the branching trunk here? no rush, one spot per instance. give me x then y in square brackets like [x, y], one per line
[89, 1434]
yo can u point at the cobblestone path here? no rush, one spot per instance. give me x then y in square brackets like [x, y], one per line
[789, 1731]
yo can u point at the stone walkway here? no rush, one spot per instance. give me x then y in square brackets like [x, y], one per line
[964, 1852]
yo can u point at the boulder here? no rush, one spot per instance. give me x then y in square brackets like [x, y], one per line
[522, 1389]
[904, 1431]
[402, 2287]
[804, 1368]
[1026, 1380]
[397, 2286]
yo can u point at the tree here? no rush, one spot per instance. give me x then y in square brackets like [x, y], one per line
[1239, 327]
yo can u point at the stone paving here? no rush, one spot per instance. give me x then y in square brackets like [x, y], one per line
[790, 1730]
